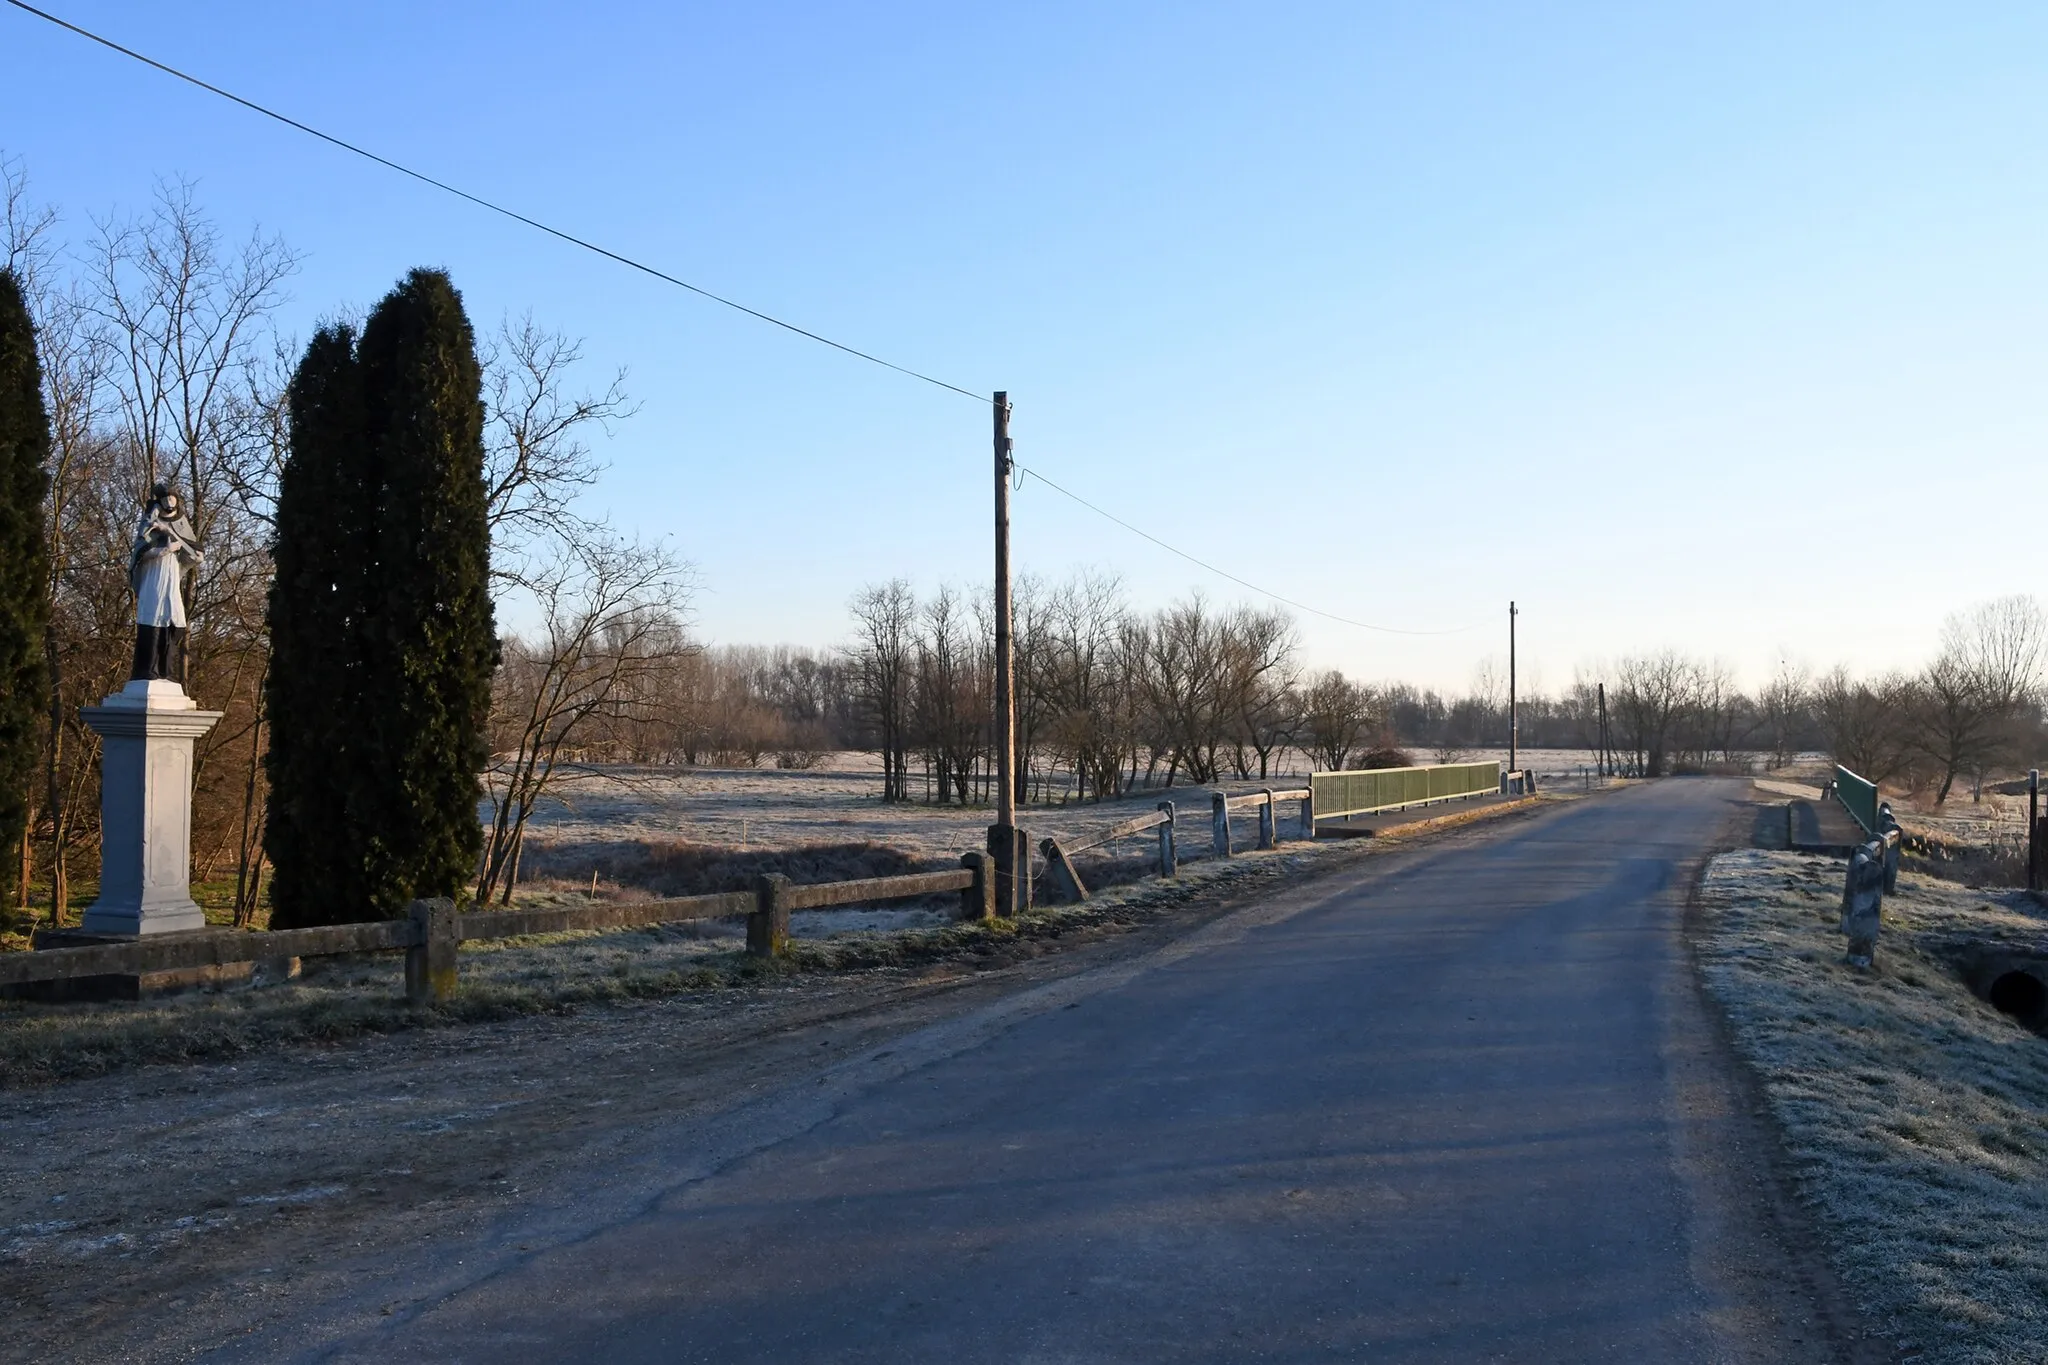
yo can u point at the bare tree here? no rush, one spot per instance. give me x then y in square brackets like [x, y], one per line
[536, 456]
[1866, 723]
[1654, 693]
[1337, 717]
[885, 618]
[611, 619]
[1783, 705]
[1974, 692]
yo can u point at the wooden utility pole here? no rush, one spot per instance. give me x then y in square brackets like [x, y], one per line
[1007, 845]
[1513, 737]
[1603, 731]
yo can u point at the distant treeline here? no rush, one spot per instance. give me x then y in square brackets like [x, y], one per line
[1111, 698]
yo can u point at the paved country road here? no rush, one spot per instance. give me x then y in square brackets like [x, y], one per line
[1459, 1108]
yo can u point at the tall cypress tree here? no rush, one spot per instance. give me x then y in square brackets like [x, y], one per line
[24, 572]
[326, 500]
[429, 638]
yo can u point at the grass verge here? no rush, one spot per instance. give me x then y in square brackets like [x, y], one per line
[1915, 1116]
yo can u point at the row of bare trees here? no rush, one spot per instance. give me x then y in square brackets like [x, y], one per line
[1108, 697]
[1974, 711]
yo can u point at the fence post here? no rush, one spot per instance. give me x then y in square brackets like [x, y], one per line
[1863, 903]
[430, 961]
[978, 901]
[1219, 824]
[1308, 812]
[1891, 836]
[1269, 823]
[1059, 869]
[1169, 859]
[768, 926]
[2033, 829]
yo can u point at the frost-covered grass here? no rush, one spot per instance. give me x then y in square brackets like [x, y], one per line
[1916, 1116]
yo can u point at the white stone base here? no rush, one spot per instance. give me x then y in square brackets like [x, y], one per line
[150, 729]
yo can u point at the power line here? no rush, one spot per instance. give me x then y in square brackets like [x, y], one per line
[664, 276]
[1224, 573]
[481, 202]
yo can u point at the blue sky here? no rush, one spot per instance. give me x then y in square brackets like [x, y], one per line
[1711, 326]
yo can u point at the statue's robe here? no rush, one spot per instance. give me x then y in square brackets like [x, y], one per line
[165, 550]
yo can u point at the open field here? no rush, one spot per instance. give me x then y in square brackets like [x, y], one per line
[836, 803]
[1915, 1116]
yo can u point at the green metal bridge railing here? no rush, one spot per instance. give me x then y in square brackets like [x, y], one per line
[1374, 789]
[1859, 797]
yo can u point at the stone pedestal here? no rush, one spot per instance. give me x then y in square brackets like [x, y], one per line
[149, 729]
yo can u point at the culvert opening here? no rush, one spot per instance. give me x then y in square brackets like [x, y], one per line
[2020, 994]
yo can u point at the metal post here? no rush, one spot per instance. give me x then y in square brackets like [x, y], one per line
[2033, 829]
[1006, 843]
[1169, 859]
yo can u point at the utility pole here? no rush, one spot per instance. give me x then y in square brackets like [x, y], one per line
[1512, 735]
[1007, 845]
[1603, 730]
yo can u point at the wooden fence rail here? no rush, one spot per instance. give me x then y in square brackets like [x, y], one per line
[433, 930]
[1066, 879]
[1266, 802]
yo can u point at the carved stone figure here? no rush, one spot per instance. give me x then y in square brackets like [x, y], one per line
[166, 549]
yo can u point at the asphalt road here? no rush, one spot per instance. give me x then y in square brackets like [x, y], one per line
[1422, 1115]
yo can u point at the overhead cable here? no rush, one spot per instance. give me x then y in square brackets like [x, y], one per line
[1224, 573]
[481, 202]
[702, 292]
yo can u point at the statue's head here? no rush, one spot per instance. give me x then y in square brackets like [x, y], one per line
[160, 494]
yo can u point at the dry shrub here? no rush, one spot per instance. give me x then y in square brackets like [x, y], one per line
[1386, 756]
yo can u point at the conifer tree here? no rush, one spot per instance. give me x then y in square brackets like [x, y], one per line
[429, 638]
[24, 573]
[326, 500]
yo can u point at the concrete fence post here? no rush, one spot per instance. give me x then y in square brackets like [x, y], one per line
[1219, 824]
[1060, 871]
[1169, 856]
[1863, 903]
[768, 926]
[978, 900]
[1269, 823]
[1308, 813]
[430, 962]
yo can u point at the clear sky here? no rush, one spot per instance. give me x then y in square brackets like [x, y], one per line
[1717, 326]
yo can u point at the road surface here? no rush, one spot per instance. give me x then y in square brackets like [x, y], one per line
[1428, 1112]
